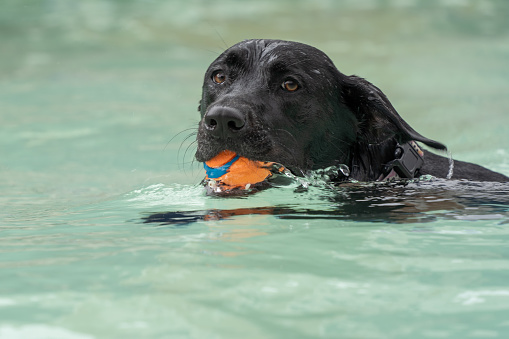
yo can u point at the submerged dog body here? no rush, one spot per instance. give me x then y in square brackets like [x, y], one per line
[285, 102]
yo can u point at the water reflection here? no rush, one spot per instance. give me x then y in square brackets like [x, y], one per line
[419, 202]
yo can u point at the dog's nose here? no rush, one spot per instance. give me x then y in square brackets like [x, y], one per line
[224, 121]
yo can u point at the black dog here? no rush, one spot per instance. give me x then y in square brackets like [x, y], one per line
[286, 102]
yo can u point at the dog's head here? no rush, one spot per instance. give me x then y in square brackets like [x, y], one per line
[286, 102]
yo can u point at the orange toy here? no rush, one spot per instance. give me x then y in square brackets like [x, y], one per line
[227, 171]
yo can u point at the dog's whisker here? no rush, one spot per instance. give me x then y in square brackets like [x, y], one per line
[341, 151]
[182, 144]
[187, 137]
[288, 151]
[187, 150]
[185, 156]
[183, 131]
[287, 133]
[221, 37]
[339, 139]
[335, 146]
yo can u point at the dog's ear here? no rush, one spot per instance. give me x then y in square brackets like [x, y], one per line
[376, 115]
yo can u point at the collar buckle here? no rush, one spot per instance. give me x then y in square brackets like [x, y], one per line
[409, 159]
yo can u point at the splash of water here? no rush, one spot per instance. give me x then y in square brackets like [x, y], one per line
[451, 165]
[328, 175]
[323, 177]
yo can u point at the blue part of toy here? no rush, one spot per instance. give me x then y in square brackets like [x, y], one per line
[214, 173]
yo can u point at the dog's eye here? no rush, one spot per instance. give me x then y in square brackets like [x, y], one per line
[290, 85]
[219, 77]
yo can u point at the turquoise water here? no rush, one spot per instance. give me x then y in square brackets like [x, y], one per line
[104, 232]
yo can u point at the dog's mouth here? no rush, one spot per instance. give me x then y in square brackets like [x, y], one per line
[246, 160]
[270, 155]
[229, 172]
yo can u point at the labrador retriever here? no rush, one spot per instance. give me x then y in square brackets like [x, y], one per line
[286, 102]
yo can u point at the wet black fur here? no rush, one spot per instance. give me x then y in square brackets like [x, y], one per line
[332, 118]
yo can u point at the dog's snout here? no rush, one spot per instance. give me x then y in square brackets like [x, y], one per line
[224, 121]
